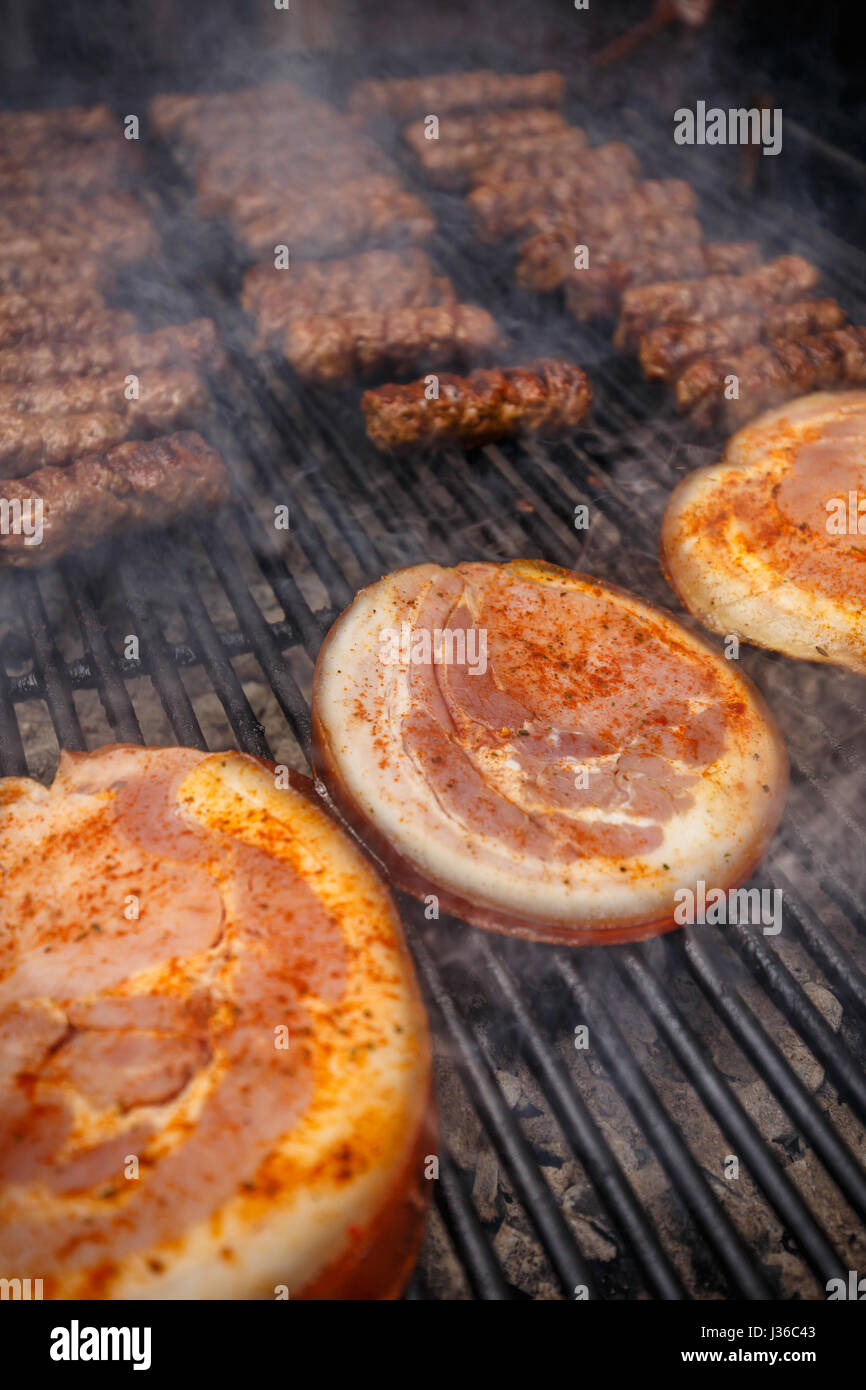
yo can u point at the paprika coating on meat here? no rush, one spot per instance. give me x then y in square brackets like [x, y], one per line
[159, 1036]
[549, 755]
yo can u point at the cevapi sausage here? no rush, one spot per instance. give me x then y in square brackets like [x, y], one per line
[165, 398]
[372, 281]
[196, 344]
[403, 98]
[547, 397]
[547, 259]
[595, 292]
[503, 209]
[136, 484]
[696, 301]
[343, 348]
[369, 212]
[767, 374]
[665, 351]
[465, 144]
[40, 322]
[28, 442]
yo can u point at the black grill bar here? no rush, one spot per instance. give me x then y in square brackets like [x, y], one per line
[118, 707]
[732, 1118]
[536, 1196]
[769, 1062]
[163, 672]
[585, 1137]
[798, 1007]
[53, 673]
[226, 684]
[467, 1234]
[686, 1176]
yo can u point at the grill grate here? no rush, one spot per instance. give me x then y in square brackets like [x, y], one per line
[559, 1168]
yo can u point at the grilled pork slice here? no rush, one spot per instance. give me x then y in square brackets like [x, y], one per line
[403, 98]
[28, 442]
[503, 209]
[369, 282]
[197, 344]
[698, 301]
[366, 212]
[215, 1071]
[665, 351]
[547, 755]
[165, 398]
[134, 485]
[548, 397]
[771, 542]
[464, 144]
[595, 292]
[731, 388]
[347, 347]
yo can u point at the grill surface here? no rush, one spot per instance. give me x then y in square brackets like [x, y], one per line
[602, 1167]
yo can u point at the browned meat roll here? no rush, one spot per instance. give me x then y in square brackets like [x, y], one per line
[504, 209]
[696, 301]
[547, 397]
[58, 172]
[64, 300]
[666, 350]
[351, 346]
[165, 398]
[41, 279]
[541, 159]
[614, 234]
[770, 373]
[594, 293]
[64, 122]
[369, 282]
[40, 322]
[115, 241]
[403, 98]
[196, 344]
[247, 185]
[28, 442]
[364, 212]
[172, 112]
[465, 144]
[133, 485]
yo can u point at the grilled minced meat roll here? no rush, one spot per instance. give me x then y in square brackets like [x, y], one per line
[546, 397]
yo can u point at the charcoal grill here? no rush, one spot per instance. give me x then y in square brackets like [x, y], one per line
[562, 1169]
